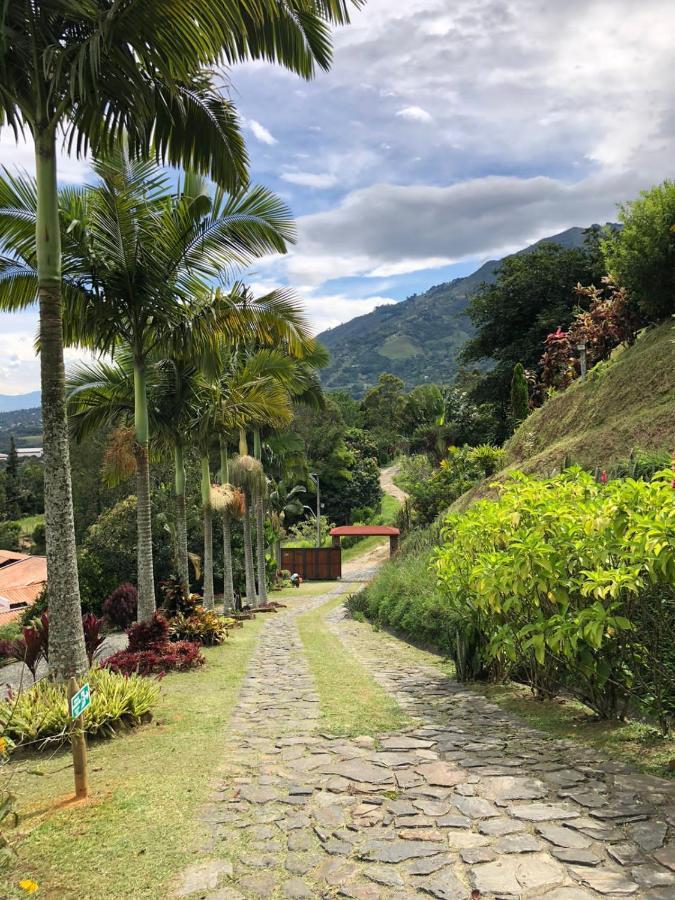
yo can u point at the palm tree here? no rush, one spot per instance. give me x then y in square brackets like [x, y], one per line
[96, 71]
[140, 257]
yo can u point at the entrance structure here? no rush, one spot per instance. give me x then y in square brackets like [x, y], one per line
[367, 531]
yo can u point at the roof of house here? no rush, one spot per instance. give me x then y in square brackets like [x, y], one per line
[361, 530]
[22, 579]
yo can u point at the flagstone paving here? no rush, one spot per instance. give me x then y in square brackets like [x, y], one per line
[467, 802]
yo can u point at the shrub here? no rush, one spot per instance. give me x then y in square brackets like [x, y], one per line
[91, 625]
[10, 536]
[159, 659]
[571, 583]
[146, 635]
[120, 608]
[176, 598]
[29, 615]
[30, 647]
[201, 626]
[41, 712]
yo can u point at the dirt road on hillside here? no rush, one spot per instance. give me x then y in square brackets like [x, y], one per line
[387, 483]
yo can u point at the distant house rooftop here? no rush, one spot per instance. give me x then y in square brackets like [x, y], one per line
[22, 579]
[23, 453]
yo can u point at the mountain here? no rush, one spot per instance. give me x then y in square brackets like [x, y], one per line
[418, 339]
[11, 402]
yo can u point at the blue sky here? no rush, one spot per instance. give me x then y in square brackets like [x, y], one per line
[447, 132]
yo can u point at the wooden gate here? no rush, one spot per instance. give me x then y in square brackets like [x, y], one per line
[313, 564]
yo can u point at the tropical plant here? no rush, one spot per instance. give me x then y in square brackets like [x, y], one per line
[201, 626]
[229, 501]
[96, 72]
[121, 606]
[172, 656]
[520, 407]
[40, 714]
[246, 473]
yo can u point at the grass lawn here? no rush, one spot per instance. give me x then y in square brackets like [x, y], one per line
[138, 829]
[352, 703]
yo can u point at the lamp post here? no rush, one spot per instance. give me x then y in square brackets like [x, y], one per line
[315, 478]
[581, 347]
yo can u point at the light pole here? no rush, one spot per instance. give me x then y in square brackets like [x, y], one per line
[315, 478]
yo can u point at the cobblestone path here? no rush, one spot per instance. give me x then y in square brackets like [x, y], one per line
[467, 802]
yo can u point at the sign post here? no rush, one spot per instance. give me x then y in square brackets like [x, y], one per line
[78, 701]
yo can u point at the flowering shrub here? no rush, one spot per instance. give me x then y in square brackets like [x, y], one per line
[177, 656]
[609, 321]
[120, 608]
[203, 626]
[146, 635]
[571, 583]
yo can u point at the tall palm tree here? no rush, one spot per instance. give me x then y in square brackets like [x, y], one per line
[140, 259]
[95, 71]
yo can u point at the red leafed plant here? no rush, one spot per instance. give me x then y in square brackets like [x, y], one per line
[93, 638]
[28, 649]
[158, 660]
[121, 606]
[146, 635]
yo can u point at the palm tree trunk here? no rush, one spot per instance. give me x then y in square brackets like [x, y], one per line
[251, 598]
[208, 533]
[228, 581]
[146, 578]
[181, 521]
[67, 654]
[260, 549]
[260, 527]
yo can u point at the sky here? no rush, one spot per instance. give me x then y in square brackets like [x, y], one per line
[447, 132]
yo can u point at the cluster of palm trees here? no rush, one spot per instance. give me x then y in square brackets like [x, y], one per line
[102, 75]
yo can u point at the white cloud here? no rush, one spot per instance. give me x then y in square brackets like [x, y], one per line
[415, 114]
[261, 133]
[310, 179]
[21, 155]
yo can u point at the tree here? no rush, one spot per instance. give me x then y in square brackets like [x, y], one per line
[12, 494]
[533, 294]
[641, 256]
[519, 396]
[383, 410]
[97, 71]
[12, 466]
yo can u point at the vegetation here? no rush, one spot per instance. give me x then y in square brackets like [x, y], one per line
[40, 715]
[193, 712]
[352, 703]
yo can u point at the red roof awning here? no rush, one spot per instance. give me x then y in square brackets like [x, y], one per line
[363, 530]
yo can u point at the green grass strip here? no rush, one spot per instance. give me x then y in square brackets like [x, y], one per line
[140, 827]
[352, 703]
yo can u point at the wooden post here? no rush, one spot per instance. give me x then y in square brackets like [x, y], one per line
[79, 746]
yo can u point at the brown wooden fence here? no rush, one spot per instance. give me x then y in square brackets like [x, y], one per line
[313, 564]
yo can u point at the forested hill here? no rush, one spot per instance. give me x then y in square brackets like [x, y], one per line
[417, 339]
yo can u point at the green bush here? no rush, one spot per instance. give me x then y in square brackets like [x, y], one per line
[40, 714]
[10, 536]
[572, 584]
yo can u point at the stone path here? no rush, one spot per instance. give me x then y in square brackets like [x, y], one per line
[465, 803]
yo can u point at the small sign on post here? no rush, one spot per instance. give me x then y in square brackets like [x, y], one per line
[78, 700]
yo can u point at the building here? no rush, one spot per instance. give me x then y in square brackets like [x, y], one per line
[22, 580]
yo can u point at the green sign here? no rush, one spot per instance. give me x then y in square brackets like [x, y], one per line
[80, 701]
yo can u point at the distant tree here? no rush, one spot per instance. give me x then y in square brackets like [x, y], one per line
[383, 409]
[519, 395]
[12, 459]
[351, 409]
[534, 294]
[641, 256]
[10, 535]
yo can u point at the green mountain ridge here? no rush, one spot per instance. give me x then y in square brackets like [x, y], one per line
[418, 339]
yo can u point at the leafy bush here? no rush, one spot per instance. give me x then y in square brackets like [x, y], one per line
[201, 626]
[159, 659]
[571, 584]
[39, 537]
[41, 712]
[176, 598]
[10, 536]
[33, 612]
[146, 635]
[31, 647]
[120, 608]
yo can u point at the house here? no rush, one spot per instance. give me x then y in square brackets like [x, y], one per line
[22, 580]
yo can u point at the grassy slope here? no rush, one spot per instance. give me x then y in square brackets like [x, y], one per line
[622, 405]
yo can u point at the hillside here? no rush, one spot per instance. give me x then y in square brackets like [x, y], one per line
[416, 339]
[24, 424]
[13, 402]
[624, 404]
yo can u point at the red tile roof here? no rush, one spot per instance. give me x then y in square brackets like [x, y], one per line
[360, 530]
[22, 579]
